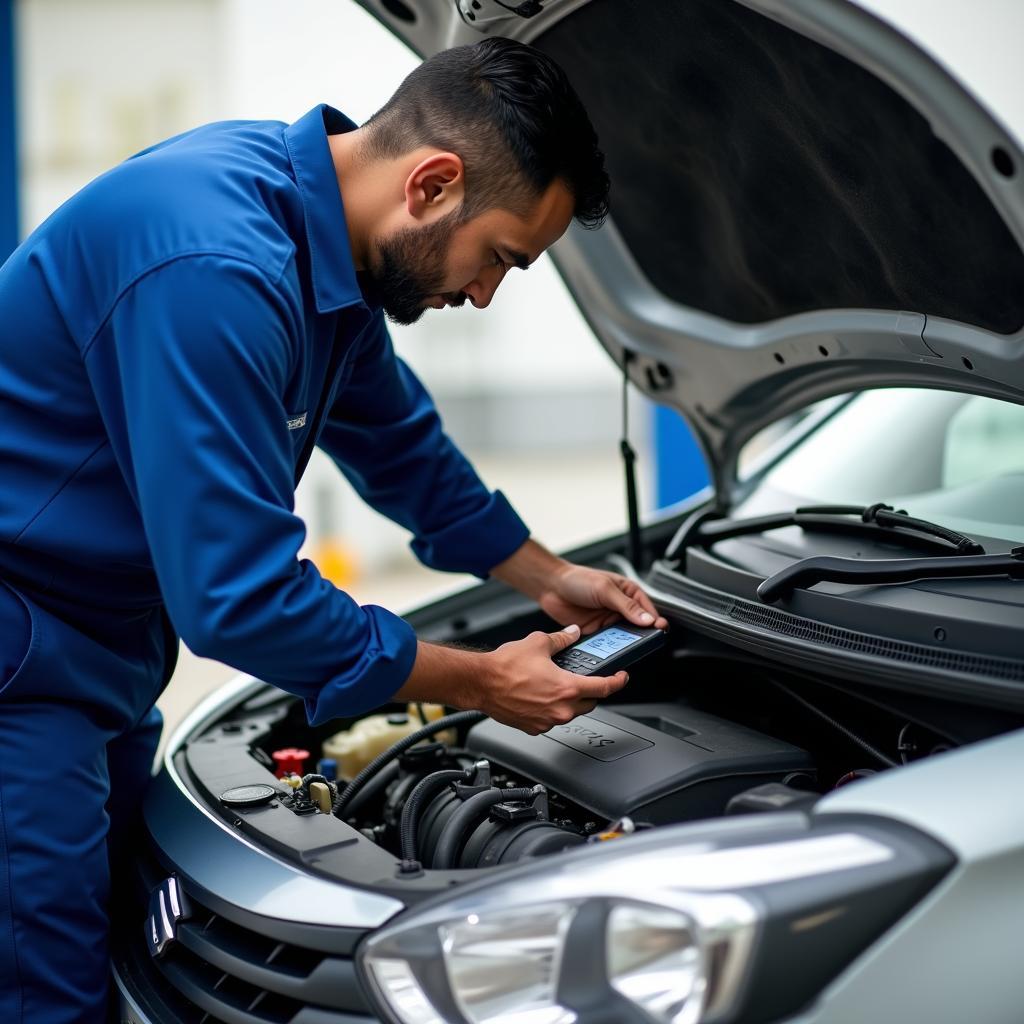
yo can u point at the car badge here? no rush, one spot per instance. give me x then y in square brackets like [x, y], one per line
[167, 908]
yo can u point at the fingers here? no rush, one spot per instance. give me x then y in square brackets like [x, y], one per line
[563, 638]
[599, 687]
[613, 595]
[641, 608]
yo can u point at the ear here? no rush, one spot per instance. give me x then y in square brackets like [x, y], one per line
[436, 185]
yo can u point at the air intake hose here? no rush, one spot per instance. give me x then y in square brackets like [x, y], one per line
[467, 817]
[425, 791]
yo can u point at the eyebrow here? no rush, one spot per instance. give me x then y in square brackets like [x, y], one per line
[519, 259]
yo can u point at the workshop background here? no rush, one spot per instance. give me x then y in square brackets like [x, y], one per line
[523, 388]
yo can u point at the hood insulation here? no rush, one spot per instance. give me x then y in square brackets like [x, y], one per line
[758, 174]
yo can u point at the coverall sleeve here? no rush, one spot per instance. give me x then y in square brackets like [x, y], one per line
[189, 374]
[385, 434]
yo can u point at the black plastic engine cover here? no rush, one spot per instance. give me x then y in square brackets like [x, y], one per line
[655, 762]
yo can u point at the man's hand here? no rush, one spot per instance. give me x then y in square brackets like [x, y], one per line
[590, 598]
[595, 599]
[517, 685]
[526, 689]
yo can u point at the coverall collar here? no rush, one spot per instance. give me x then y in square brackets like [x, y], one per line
[334, 276]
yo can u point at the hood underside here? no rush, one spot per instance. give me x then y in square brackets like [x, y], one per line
[804, 203]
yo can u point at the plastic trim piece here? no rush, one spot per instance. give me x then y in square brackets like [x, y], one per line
[234, 869]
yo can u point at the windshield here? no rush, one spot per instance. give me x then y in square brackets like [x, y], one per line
[955, 459]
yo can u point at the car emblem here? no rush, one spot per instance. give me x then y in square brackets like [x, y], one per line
[167, 907]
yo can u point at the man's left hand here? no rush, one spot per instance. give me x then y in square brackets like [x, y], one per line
[595, 598]
[569, 593]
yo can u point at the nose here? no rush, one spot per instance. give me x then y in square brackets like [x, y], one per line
[482, 288]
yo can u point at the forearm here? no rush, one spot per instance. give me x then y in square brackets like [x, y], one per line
[446, 675]
[530, 569]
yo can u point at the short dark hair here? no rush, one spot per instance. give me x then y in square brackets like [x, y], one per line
[509, 112]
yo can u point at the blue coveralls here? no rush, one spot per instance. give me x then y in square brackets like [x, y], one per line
[173, 341]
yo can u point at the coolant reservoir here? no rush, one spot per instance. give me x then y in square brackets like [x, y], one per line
[355, 748]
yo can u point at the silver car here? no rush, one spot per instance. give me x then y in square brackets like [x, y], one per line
[805, 807]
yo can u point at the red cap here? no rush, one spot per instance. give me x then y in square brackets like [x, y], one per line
[289, 760]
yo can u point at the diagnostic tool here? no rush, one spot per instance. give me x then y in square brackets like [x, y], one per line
[610, 649]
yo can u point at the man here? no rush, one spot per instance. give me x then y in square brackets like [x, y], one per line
[175, 340]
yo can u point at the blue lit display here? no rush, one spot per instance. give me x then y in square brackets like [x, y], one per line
[608, 641]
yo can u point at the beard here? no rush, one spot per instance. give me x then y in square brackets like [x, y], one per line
[408, 268]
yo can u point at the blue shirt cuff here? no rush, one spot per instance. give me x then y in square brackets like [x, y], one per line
[477, 542]
[385, 664]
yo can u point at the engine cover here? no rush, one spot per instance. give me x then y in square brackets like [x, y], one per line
[658, 763]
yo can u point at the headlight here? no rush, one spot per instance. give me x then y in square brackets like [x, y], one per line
[655, 960]
[661, 928]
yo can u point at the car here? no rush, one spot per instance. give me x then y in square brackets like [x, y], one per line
[805, 805]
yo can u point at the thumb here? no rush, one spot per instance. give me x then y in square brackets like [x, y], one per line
[563, 638]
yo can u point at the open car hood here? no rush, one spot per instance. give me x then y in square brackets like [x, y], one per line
[804, 201]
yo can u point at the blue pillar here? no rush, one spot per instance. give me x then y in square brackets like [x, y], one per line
[681, 469]
[8, 135]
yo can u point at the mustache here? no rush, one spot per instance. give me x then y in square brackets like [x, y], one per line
[455, 298]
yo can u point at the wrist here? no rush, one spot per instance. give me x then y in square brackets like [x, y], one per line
[447, 675]
[531, 569]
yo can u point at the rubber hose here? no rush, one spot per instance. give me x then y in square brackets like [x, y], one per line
[373, 789]
[399, 748]
[425, 790]
[466, 818]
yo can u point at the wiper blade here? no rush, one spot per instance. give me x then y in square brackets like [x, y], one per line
[862, 572]
[882, 520]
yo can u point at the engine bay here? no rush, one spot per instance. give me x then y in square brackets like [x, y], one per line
[432, 798]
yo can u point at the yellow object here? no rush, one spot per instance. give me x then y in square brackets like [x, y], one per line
[355, 748]
[336, 561]
[292, 780]
[320, 794]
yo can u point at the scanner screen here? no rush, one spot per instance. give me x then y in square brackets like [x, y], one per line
[608, 641]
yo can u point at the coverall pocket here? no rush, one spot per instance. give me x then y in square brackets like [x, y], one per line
[19, 637]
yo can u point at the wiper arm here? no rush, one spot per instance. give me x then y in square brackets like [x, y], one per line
[861, 572]
[882, 520]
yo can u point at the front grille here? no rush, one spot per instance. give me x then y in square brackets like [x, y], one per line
[220, 971]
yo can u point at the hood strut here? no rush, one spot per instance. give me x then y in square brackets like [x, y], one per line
[629, 464]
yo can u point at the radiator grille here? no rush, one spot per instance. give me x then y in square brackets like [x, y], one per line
[219, 971]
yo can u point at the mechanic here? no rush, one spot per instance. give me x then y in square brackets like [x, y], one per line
[176, 338]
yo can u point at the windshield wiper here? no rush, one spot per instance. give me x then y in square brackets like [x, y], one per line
[862, 572]
[885, 522]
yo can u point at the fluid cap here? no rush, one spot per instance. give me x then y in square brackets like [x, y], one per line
[249, 796]
[328, 768]
[320, 794]
[289, 760]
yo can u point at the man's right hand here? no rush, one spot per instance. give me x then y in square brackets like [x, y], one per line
[517, 685]
[526, 689]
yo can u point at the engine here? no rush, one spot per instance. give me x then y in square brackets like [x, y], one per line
[504, 796]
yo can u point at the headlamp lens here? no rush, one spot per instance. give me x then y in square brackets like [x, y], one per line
[655, 961]
[504, 970]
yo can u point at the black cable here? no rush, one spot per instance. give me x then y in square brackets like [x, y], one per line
[426, 789]
[399, 748]
[466, 818]
[825, 717]
[307, 779]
